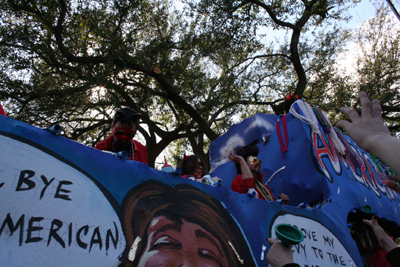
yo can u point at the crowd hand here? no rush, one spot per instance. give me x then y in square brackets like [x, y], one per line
[393, 184]
[279, 255]
[384, 240]
[284, 198]
[368, 127]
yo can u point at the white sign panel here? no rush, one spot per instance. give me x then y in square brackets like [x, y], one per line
[51, 214]
[320, 247]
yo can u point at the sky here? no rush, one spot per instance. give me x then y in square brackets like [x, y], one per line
[365, 10]
[362, 11]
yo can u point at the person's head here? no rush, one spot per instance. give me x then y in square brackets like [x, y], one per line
[125, 124]
[249, 153]
[180, 226]
[192, 165]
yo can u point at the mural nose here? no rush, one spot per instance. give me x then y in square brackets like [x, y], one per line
[189, 260]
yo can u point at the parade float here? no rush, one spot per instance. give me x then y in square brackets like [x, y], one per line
[66, 204]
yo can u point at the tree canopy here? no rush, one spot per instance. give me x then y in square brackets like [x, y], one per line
[70, 62]
[189, 71]
[378, 66]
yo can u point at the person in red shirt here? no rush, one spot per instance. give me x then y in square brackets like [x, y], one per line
[124, 127]
[192, 167]
[249, 178]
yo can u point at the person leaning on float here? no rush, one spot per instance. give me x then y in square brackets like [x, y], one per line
[192, 168]
[249, 179]
[124, 128]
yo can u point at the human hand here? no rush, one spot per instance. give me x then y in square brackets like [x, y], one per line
[284, 198]
[373, 222]
[234, 157]
[216, 179]
[393, 184]
[368, 127]
[279, 255]
[384, 240]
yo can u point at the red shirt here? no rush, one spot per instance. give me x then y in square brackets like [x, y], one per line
[140, 151]
[242, 186]
[378, 258]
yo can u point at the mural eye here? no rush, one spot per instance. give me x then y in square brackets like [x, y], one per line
[210, 255]
[166, 242]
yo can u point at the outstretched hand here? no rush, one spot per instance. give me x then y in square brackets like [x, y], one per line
[384, 240]
[369, 132]
[279, 255]
[365, 129]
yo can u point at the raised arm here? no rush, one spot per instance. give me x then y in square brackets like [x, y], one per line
[369, 132]
[384, 240]
[246, 173]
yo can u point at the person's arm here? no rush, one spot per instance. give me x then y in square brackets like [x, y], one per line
[384, 240]
[369, 132]
[246, 173]
[279, 255]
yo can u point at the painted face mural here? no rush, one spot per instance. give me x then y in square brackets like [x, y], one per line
[181, 244]
[180, 226]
